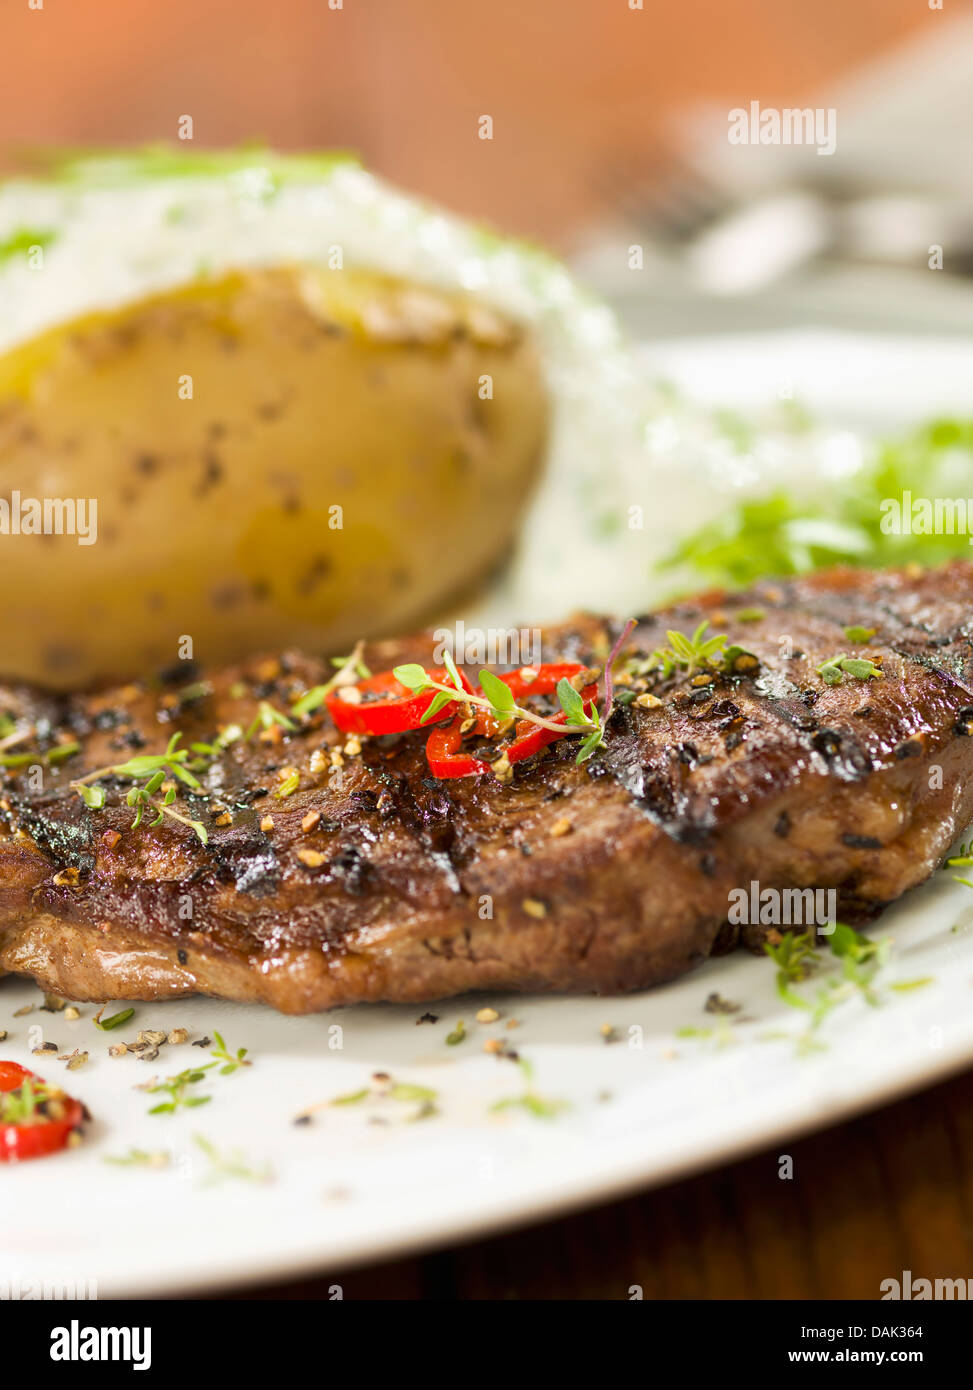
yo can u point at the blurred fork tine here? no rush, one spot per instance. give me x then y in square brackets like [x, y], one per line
[660, 194]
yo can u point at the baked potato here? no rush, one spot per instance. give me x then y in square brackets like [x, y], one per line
[277, 455]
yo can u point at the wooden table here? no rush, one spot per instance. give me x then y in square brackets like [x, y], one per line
[889, 1191]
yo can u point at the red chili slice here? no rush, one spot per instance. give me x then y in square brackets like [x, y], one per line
[444, 757]
[41, 1137]
[395, 711]
[530, 739]
[443, 745]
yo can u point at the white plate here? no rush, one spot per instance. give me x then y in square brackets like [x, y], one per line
[646, 1108]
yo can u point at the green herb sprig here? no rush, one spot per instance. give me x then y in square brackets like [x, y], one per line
[233, 1060]
[498, 700]
[156, 768]
[231, 1165]
[58, 754]
[541, 1107]
[350, 668]
[177, 1088]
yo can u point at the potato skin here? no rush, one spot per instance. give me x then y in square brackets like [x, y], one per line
[334, 474]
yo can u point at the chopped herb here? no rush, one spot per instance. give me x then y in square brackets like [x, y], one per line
[457, 1035]
[266, 718]
[116, 1020]
[407, 1091]
[782, 534]
[860, 634]
[352, 1098]
[289, 785]
[736, 660]
[831, 670]
[140, 1158]
[122, 168]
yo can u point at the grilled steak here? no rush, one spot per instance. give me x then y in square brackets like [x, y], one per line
[375, 881]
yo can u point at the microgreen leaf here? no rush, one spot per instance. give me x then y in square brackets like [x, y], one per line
[412, 676]
[571, 702]
[438, 702]
[498, 693]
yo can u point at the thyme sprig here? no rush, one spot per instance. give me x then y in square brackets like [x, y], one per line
[265, 718]
[233, 1060]
[52, 757]
[498, 700]
[350, 669]
[541, 1107]
[689, 654]
[797, 959]
[139, 1158]
[231, 1165]
[177, 1089]
[156, 768]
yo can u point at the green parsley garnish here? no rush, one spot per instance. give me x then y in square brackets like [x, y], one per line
[782, 534]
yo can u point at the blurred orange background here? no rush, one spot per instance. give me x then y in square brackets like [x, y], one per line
[572, 85]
